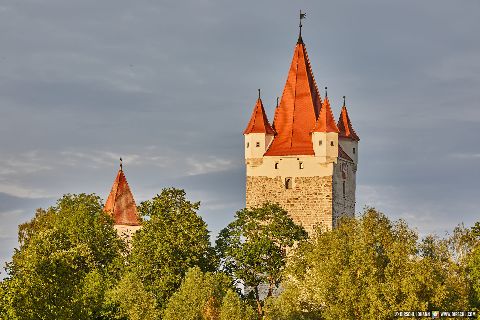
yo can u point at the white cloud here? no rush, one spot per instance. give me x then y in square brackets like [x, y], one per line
[208, 165]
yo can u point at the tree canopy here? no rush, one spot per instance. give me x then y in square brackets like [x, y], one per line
[253, 248]
[173, 239]
[367, 268]
[69, 255]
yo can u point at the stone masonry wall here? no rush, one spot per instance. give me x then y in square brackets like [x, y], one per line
[309, 202]
[344, 204]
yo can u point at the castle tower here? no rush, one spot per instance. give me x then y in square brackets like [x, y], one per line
[304, 161]
[121, 206]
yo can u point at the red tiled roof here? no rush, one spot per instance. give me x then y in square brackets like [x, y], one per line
[345, 126]
[326, 121]
[120, 203]
[299, 107]
[342, 154]
[258, 122]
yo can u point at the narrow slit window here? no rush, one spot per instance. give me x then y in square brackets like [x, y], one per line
[248, 144]
[344, 189]
[288, 183]
[353, 150]
[276, 165]
[300, 165]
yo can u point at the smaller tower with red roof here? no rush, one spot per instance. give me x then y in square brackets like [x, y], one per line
[121, 207]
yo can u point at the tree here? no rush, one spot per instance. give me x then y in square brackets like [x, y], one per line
[69, 255]
[129, 300]
[253, 248]
[207, 296]
[172, 240]
[367, 268]
[234, 308]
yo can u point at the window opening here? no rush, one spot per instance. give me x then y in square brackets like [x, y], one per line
[288, 183]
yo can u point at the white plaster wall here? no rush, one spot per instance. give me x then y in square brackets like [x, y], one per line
[347, 146]
[289, 166]
[325, 151]
[251, 139]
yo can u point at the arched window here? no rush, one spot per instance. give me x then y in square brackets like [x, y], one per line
[276, 165]
[288, 183]
[331, 143]
[300, 165]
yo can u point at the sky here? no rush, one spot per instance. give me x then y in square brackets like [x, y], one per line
[170, 86]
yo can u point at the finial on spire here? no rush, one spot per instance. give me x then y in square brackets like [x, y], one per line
[277, 101]
[302, 16]
[258, 94]
[344, 101]
[121, 164]
[326, 93]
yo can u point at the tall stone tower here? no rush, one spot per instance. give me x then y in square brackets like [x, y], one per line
[305, 161]
[121, 206]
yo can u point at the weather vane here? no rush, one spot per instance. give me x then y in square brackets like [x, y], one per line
[303, 15]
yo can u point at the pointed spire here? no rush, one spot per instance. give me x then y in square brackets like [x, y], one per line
[326, 121]
[120, 202]
[298, 110]
[258, 121]
[345, 126]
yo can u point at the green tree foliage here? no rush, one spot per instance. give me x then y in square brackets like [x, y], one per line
[254, 246]
[129, 300]
[233, 308]
[207, 296]
[69, 254]
[366, 269]
[173, 239]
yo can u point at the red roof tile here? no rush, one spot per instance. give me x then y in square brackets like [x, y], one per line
[299, 107]
[326, 121]
[120, 203]
[345, 126]
[258, 122]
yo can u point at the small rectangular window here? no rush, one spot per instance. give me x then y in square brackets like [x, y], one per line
[353, 150]
[320, 142]
[300, 165]
[331, 143]
[288, 183]
[344, 189]
[276, 165]
[258, 144]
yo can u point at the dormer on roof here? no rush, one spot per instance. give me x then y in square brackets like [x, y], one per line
[120, 202]
[345, 125]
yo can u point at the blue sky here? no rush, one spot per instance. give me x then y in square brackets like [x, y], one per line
[169, 86]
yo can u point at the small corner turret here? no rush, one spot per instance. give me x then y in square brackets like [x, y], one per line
[258, 133]
[348, 138]
[325, 134]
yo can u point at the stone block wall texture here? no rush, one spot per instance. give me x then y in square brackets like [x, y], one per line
[343, 204]
[309, 202]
